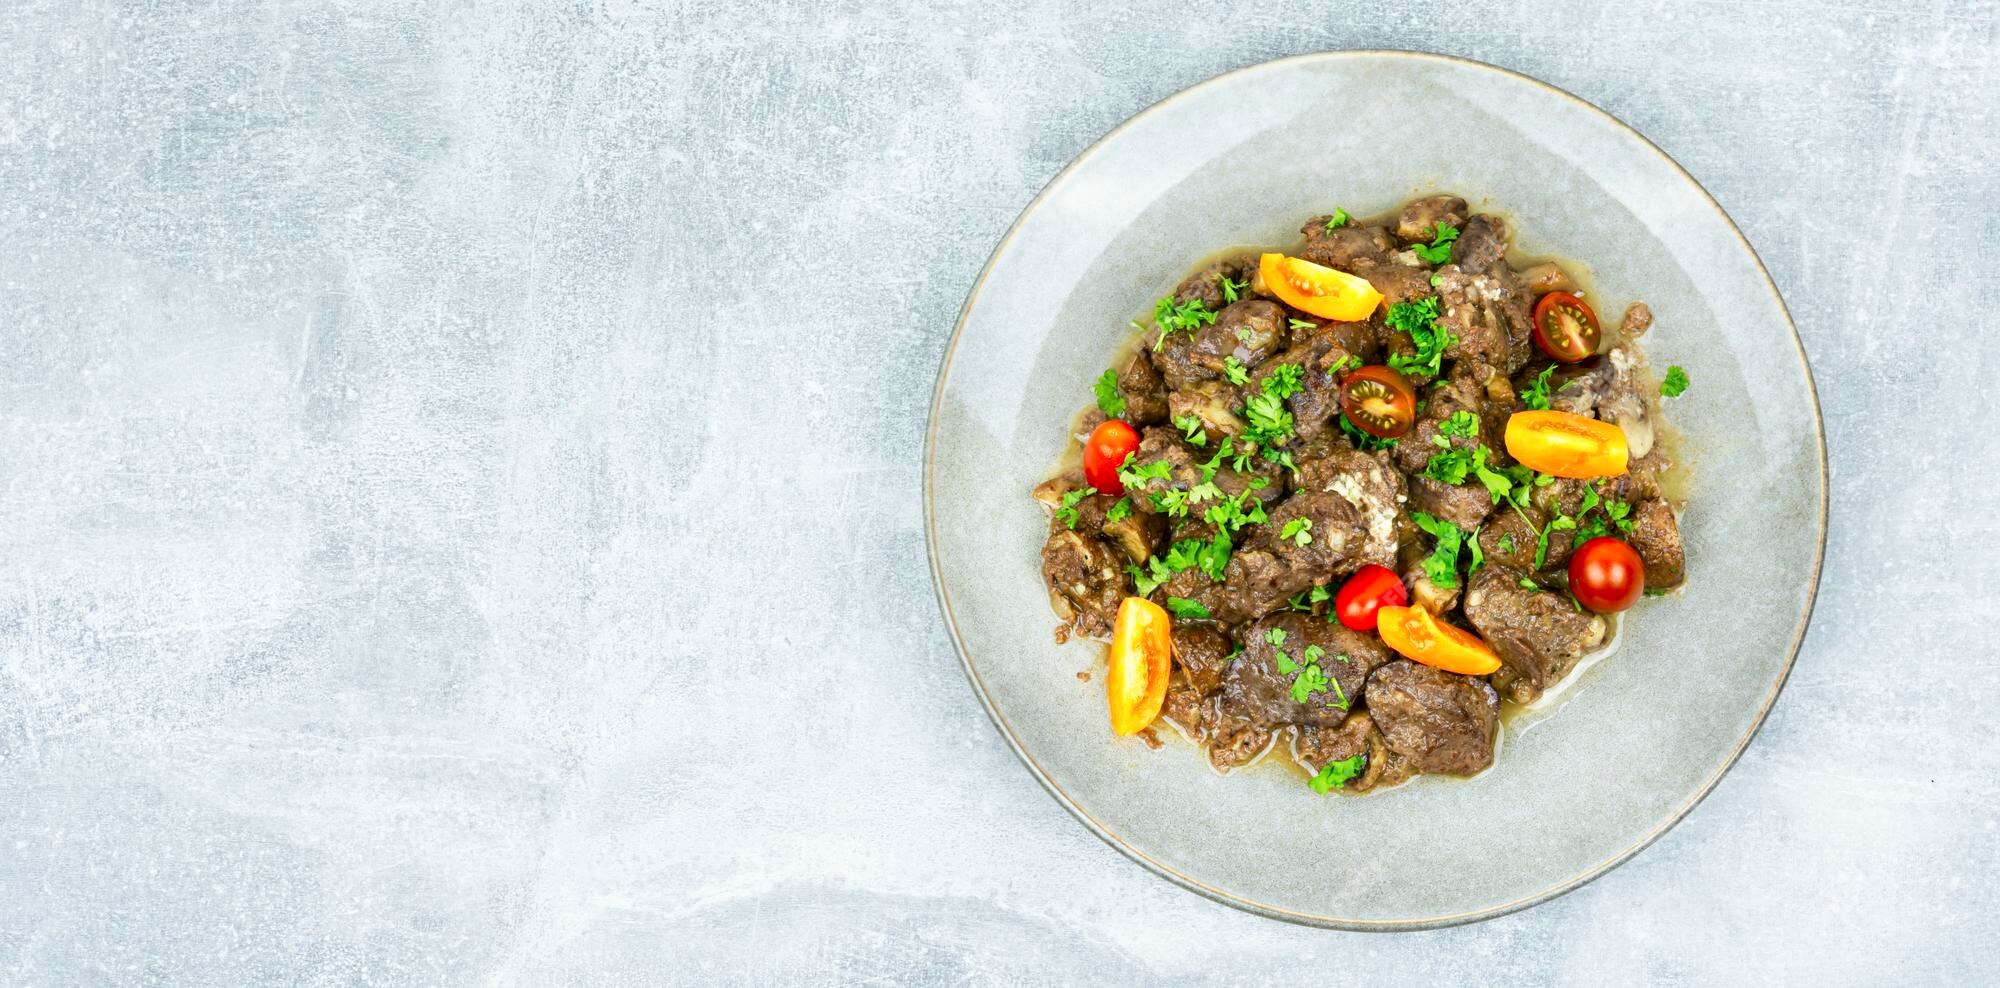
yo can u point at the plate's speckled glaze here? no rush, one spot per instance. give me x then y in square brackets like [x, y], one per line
[1244, 158]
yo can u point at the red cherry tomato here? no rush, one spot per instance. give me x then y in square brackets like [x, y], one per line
[1105, 452]
[1370, 589]
[1606, 575]
[1565, 328]
[1379, 401]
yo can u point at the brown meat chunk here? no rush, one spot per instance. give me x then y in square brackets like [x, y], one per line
[1537, 633]
[1314, 747]
[1418, 222]
[1657, 537]
[1432, 720]
[1086, 578]
[1145, 393]
[1249, 331]
[1258, 687]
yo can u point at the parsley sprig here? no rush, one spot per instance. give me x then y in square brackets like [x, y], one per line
[1068, 513]
[1676, 382]
[1337, 220]
[1439, 250]
[1171, 317]
[1185, 608]
[1441, 566]
[1337, 774]
[1298, 532]
[1420, 320]
[1108, 398]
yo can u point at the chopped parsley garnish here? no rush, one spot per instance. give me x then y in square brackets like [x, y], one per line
[1141, 477]
[1343, 365]
[1183, 555]
[1310, 680]
[1439, 250]
[1537, 395]
[1234, 513]
[1282, 458]
[1337, 220]
[1108, 397]
[1284, 381]
[1507, 542]
[1298, 532]
[1478, 554]
[1453, 463]
[1068, 513]
[1336, 775]
[1231, 289]
[1420, 320]
[1185, 608]
[1192, 429]
[1119, 511]
[1676, 382]
[1437, 280]
[1172, 317]
[1234, 370]
[1615, 515]
[1441, 566]
[1302, 325]
[1276, 637]
[1270, 421]
[1305, 599]
[1362, 441]
[1527, 584]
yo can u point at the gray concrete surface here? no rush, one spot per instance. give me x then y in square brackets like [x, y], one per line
[459, 509]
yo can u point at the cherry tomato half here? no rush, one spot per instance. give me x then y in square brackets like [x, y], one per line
[1142, 656]
[1606, 575]
[1104, 452]
[1320, 290]
[1565, 328]
[1417, 635]
[1379, 401]
[1567, 445]
[1370, 589]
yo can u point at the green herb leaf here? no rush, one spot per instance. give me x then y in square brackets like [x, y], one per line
[1171, 317]
[1298, 531]
[1337, 220]
[1141, 477]
[1478, 554]
[1108, 397]
[1361, 440]
[1676, 382]
[1439, 250]
[1441, 566]
[1119, 510]
[1234, 370]
[1336, 775]
[1420, 320]
[1185, 608]
[1302, 325]
[1068, 513]
[1537, 395]
[1192, 429]
[1231, 289]
[1507, 542]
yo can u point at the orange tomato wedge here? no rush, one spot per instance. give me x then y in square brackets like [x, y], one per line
[1414, 633]
[1142, 656]
[1317, 289]
[1567, 445]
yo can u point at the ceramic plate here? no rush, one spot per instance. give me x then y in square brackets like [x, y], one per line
[1639, 738]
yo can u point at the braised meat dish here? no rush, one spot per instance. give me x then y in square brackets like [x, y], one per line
[1350, 498]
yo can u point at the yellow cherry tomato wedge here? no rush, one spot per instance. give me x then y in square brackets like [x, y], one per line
[1414, 633]
[1567, 445]
[1317, 289]
[1142, 656]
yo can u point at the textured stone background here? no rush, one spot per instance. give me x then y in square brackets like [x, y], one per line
[459, 481]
